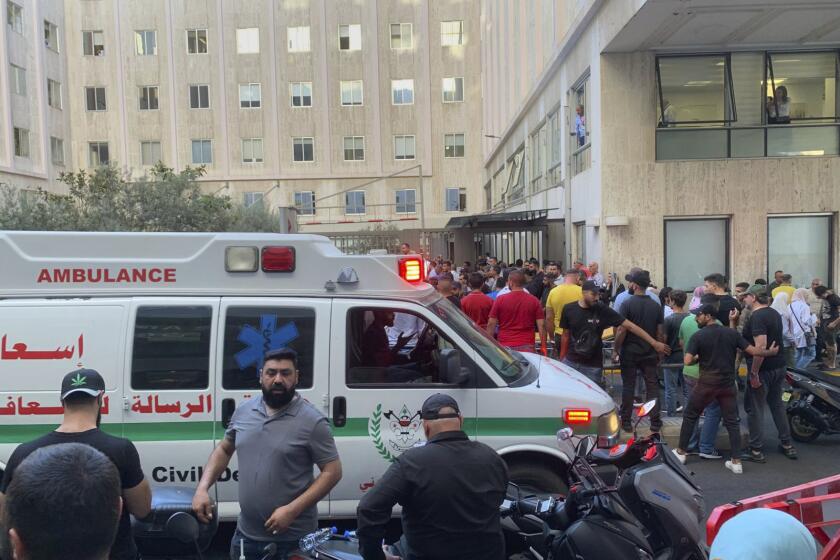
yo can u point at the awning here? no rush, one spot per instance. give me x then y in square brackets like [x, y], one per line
[527, 218]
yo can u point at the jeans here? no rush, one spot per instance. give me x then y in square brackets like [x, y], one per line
[592, 372]
[254, 549]
[805, 355]
[771, 393]
[702, 396]
[629, 373]
[673, 378]
[704, 438]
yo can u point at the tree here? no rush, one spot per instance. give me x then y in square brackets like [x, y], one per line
[106, 200]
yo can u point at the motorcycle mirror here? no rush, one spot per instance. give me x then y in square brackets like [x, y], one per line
[585, 446]
[512, 491]
[646, 408]
[564, 442]
[183, 527]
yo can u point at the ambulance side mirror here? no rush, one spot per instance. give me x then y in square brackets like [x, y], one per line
[451, 371]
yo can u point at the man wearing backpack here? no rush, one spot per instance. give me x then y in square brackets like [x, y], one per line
[583, 323]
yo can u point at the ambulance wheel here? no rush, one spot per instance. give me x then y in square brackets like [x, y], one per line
[537, 478]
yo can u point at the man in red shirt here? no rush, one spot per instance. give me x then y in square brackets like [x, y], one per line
[516, 313]
[477, 305]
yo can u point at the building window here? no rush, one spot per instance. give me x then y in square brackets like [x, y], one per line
[95, 99]
[18, 78]
[406, 201]
[801, 246]
[149, 98]
[252, 198]
[693, 90]
[248, 40]
[402, 92]
[57, 150]
[252, 150]
[354, 148]
[196, 41]
[351, 92]
[350, 37]
[453, 90]
[581, 127]
[202, 152]
[298, 39]
[354, 202]
[456, 199]
[250, 96]
[145, 43]
[305, 203]
[93, 43]
[801, 87]
[14, 17]
[451, 33]
[149, 153]
[21, 141]
[303, 148]
[687, 262]
[98, 154]
[51, 35]
[54, 94]
[301, 93]
[401, 36]
[453, 145]
[403, 147]
[200, 97]
[556, 130]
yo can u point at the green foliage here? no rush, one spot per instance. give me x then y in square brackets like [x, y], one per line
[105, 200]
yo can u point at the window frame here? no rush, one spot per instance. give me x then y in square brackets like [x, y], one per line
[301, 96]
[56, 146]
[350, 27]
[303, 145]
[54, 94]
[404, 137]
[254, 198]
[770, 79]
[50, 31]
[93, 33]
[15, 23]
[355, 204]
[401, 46]
[196, 32]
[96, 99]
[402, 91]
[301, 206]
[238, 45]
[454, 92]
[728, 91]
[460, 34]
[462, 192]
[98, 145]
[253, 143]
[148, 98]
[21, 142]
[151, 144]
[202, 142]
[297, 36]
[727, 219]
[18, 79]
[351, 84]
[355, 148]
[831, 218]
[454, 136]
[406, 210]
[199, 86]
[141, 37]
[250, 101]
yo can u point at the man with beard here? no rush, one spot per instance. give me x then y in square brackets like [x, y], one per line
[278, 436]
[81, 394]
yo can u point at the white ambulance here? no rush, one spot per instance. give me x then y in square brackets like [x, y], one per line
[177, 325]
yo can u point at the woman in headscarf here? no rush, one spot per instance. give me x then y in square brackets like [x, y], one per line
[804, 324]
[695, 298]
[763, 534]
[780, 304]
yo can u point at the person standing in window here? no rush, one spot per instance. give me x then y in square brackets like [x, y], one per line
[580, 125]
[778, 108]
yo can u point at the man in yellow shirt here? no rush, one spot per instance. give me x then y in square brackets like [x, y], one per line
[785, 287]
[567, 292]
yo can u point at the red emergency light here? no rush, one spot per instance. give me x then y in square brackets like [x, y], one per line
[577, 416]
[411, 269]
[278, 259]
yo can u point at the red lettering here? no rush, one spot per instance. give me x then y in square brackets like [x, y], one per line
[138, 274]
[44, 276]
[155, 275]
[61, 275]
[108, 278]
[94, 275]
[123, 276]
[78, 275]
[169, 275]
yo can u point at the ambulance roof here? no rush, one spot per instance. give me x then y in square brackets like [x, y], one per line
[72, 264]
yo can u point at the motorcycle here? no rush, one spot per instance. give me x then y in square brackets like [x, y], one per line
[654, 510]
[813, 404]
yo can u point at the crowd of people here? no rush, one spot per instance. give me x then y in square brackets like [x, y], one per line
[699, 341]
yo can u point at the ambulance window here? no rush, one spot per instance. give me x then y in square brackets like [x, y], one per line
[250, 331]
[394, 347]
[171, 348]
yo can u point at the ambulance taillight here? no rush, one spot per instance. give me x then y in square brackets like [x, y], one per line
[278, 259]
[411, 270]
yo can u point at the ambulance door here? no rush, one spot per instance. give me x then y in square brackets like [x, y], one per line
[377, 390]
[170, 374]
[248, 328]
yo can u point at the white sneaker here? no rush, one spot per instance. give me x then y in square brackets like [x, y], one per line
[736, 468]
[680, 456]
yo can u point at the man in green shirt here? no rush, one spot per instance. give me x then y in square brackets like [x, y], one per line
[703, 439]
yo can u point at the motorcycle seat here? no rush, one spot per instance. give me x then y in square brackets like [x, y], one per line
[823, 376]
[608, 456]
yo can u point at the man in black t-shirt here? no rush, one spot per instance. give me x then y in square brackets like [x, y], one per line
[830, 324]
[766, 375]
[81, 394]
[715, 347]
[583, 323]
[635, 354]
[715, 284]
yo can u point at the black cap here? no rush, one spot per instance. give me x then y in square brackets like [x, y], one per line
[706, 309]
[431, 408]
[639, 277]
[82, 381]
[590, 286]
[707, 300]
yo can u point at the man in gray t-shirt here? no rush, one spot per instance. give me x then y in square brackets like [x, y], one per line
[278, 436]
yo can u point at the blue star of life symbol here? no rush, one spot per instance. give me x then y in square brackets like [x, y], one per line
[258, 342]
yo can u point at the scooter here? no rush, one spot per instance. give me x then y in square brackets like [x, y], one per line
[813, 404]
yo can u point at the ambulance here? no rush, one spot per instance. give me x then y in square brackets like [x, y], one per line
[177, 324]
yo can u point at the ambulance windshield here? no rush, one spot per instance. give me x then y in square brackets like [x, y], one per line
[500, 358]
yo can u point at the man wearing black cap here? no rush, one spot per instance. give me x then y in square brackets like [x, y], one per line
[450, 490]
[81, 394]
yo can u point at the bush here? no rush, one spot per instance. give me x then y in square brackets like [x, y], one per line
[105, 200]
